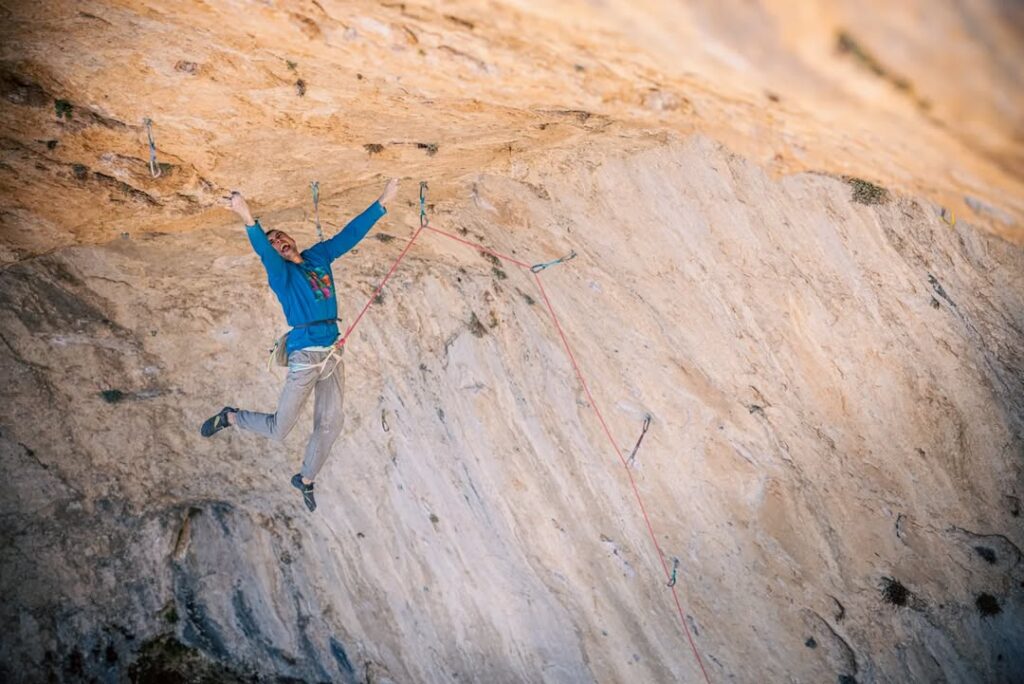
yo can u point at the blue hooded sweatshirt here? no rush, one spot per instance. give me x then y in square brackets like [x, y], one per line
[306, 290]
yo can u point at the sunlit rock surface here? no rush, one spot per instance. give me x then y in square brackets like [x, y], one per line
[798, 251]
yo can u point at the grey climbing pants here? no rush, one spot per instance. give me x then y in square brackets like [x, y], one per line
[328, 382]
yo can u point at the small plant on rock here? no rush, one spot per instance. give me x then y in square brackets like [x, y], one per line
[894, 593]
[865, 192]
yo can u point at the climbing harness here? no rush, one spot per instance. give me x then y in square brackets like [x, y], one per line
[315, 187]
[334, 351]
[675, 567]
[279, 352]
[537, 268]
[154, 168]
[643, 431]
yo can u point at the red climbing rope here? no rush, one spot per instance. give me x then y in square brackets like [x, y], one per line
[408, 246]
[380, 287]
[670, 575]
[629, 474]
[479, 247]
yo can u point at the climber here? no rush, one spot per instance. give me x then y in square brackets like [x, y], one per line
[304, 284]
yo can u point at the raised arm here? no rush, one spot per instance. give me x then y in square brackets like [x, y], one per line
[272, 261]
[357, 228]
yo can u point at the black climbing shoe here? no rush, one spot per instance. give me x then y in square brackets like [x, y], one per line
[306, 489]
[217, 422]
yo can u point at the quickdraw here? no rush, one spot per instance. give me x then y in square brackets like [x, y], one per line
[643, 431]
[675, 568]
[315, 187]
[154, 167]
[537, 268]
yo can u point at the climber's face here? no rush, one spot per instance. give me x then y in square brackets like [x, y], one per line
[283, 243]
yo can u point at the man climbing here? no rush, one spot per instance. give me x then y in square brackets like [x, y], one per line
[304, 284]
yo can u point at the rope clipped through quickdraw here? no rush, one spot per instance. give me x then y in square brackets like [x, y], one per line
[423, 225]
[537, 268]
[675, 568]
[154, 168]
[423, 205]
[315, 187]
[647, 424]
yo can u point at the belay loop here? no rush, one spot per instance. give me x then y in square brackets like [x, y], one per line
[537, 268]
[154, 168]
[315, 187]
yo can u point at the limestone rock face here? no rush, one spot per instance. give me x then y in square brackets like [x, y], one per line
[798, 252]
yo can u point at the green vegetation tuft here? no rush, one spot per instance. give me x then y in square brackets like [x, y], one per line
[865, 192]
[894, 593]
